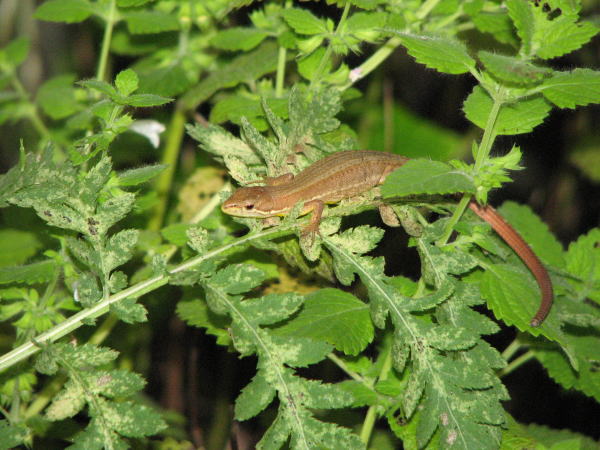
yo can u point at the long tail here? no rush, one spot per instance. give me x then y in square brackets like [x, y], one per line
[512, 238]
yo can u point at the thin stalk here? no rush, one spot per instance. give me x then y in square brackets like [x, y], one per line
[110, 23]
[511, 350]
[329, 50]
[426, 8]
[373, 61]
[371, 416]
[280, 76]
[483, 152]
[34, 116]
[516, 363]
[170, 157]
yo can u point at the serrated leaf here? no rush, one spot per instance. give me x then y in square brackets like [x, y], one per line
[248, 66]
[583, 261]
[197, 314]
[238, 278]
[255, 397]
[303, 21]
[114, 209]
[271, 308]
[129, 311]
[39, 272]
[523, 19]
[440, 53]
[335, 317]
[150, 22]
[535, 232]
[133, 420]
[119, 248]
[133, 177]
[117, 383]
[216, 140]
[421, 176]
[571, 89]
[126, 82]
[68, 11]
[238, 38]
[145, 100]
[514, 118]
[563, 36]
[498, 24]
[197, 238]
[512, 69]
[100, 86]
[67, 402]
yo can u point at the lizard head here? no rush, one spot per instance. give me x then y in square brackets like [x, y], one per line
[253, 201]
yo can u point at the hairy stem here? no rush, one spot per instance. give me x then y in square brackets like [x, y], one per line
[169, 158]
[110, 23]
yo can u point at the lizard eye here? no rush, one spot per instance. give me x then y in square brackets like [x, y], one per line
[249, 207]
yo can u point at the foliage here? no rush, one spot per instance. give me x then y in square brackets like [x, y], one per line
[414, 353]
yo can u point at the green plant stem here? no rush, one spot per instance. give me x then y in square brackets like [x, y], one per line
[77, 320]
[371, 416]
[170, 157]
[280, 76]
[110, 23]
[373, 62]
[483, 153]
[516, 363]
[426, 8]
[509, 351]
[34, 116]
[323, 63]
[342, 365]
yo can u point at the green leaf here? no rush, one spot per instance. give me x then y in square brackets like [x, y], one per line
[68, 402]
[100, 86]
[69, 11]
[246, 67]
[126, 82]
[12, 435]
[57, 97]
[514, 118]
[440, 53]
[238, 278]
[583, 261]
[133, 177]
[197, 314]
[498, 24]
[117, 383]
[14, 53]
[562, 36]
[119, 248]
[129, 311]
[255, 397]
[522, 17]
[571, 89]
[216, 140]
[197, 238]
[535, 232]
[150, 22]
[421, 176]
[303, 21]
[335, 317]
[512, 69]
[17, 246]
[133, 420]
[146, 100]
[39, 272]
[238, 38]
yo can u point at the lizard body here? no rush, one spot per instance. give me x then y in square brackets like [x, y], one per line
[347, 174]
